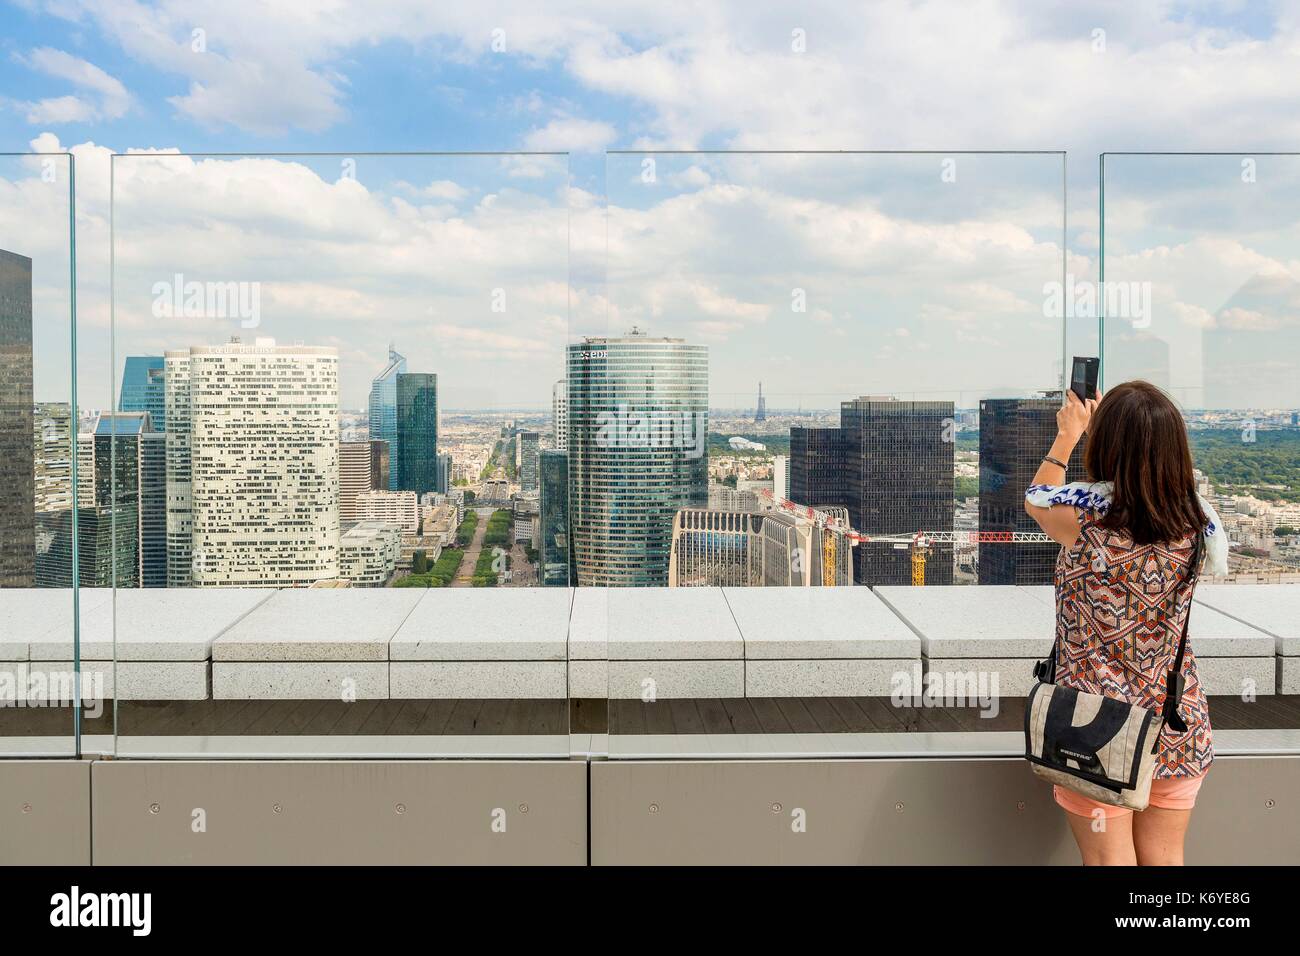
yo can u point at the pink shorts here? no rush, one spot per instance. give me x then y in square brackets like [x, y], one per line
[1168, 793]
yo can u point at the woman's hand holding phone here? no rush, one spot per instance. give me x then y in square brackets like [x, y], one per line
[1073, 417]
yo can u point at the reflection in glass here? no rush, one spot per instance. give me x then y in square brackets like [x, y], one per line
[39, 509]
[1202, 297]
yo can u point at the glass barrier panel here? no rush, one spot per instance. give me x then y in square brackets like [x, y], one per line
[330, 444]
[800, 428]
[1202, 298]
[44, 703]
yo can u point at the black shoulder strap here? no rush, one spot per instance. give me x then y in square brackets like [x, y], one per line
[1174, 682]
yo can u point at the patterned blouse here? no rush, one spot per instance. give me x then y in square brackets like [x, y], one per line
[1120, 609]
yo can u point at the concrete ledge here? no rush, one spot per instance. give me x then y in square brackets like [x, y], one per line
[139, 680]
[1235, 676]
[811, 623]
[514, 642]
[855, 677]
[588, 680]
[302, 624]
[32, 614]
[152, 624]
[959, 621]
[1271, 608]
[1288, 675]
[477, 680]
[638, 624]
[13, 681]
[1014, 675]
[298, 680]
[474, 624]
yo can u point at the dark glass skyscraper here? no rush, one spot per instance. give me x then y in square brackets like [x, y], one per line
[444, 473]
[143, 389]
[17, 445]
[1015, 434]
[638, 431]
[554, 517]
[416, 457]
[121, 502]
[890, 463]
[383, 408]
[816, 467]
[527, 445]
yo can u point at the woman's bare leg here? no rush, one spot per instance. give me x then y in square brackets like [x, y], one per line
[1158, 836]
[1104, 841]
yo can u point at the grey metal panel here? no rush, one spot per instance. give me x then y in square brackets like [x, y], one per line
[1247, 812]
[45, 812]
[901, 811]
[857, 811]
[340, 812]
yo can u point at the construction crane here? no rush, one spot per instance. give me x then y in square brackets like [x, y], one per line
[919, 543]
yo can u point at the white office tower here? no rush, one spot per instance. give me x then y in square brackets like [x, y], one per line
[180, 516]
[560, 413]
[398, 508]
[781, 476]
[262, 463]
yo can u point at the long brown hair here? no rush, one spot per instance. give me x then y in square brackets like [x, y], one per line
[1137, 439]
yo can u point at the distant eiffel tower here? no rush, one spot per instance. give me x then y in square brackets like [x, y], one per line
[761, 414]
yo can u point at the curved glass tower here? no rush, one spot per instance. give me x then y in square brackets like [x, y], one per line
[383, 409]
[638, 452]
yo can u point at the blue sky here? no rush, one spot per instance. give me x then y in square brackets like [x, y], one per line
[99, 76]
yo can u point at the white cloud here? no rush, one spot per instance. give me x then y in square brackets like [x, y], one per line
[899, 73]
[571, 134]
[101, 97]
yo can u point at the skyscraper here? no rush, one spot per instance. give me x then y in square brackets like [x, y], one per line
[52, 436]
[554, 518]
[380, 465]
[560, 413]
[444, 473]
[817, 465]
[638, 429]
[1015, 434]
[417, 433]
[527, 446]
[781, 476]
[890, 463]
[262, 463]
[52, 428]
[383, 408]
[143, 389]
[180, 500]
[356, 476]
[121, 502]
[17, 449]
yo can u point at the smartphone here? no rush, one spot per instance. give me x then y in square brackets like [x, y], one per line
[1083, 378]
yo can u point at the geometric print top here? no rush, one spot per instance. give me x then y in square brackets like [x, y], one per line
[1120, 609]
